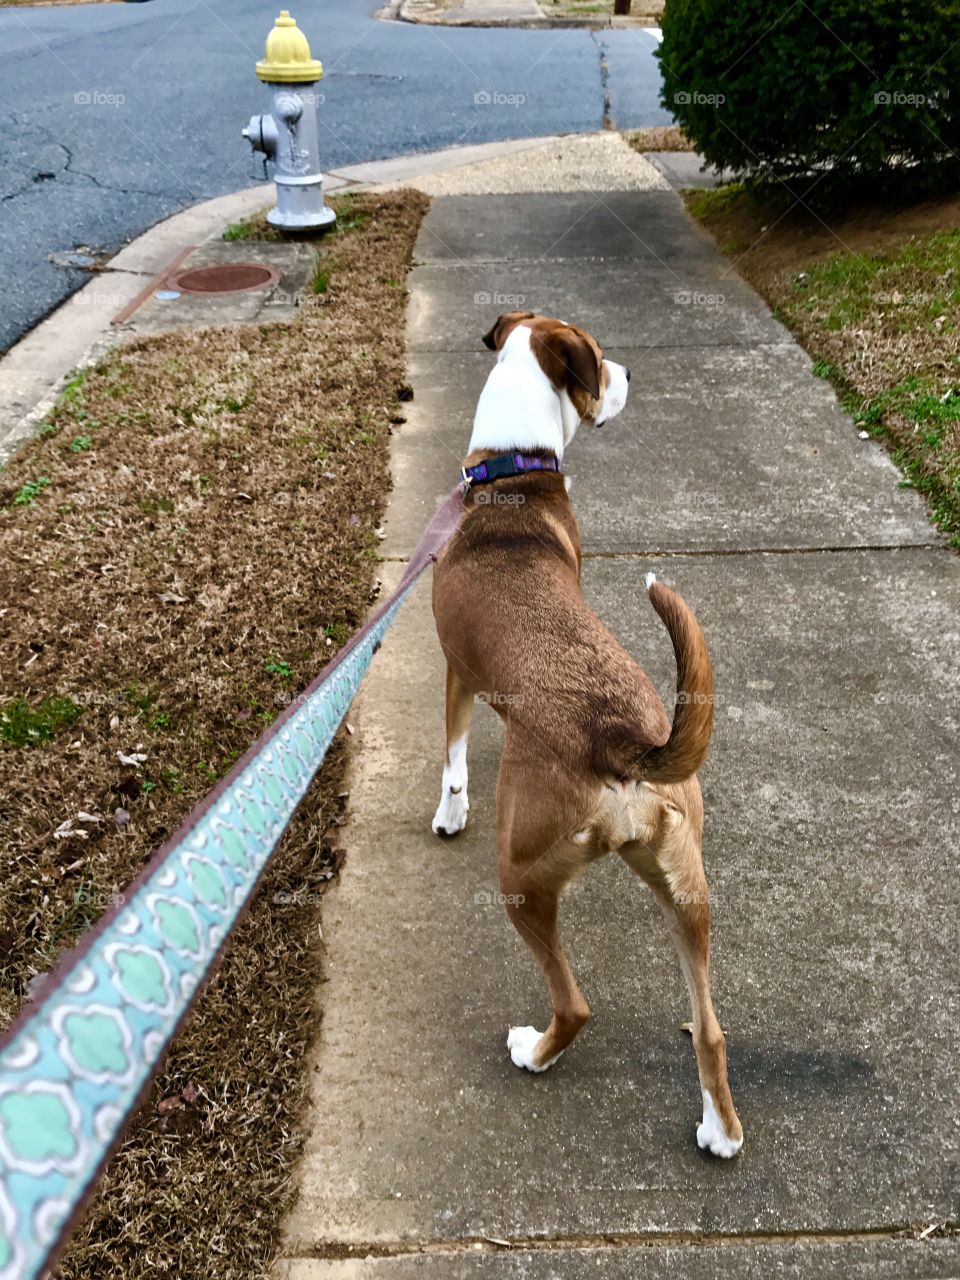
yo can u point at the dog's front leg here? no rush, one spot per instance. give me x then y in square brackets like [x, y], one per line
[451, 815]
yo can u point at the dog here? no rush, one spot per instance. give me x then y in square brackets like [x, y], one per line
[591, 764]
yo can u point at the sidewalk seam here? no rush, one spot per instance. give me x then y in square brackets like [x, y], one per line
[709, 552]
[613, 1241]
[701, 346]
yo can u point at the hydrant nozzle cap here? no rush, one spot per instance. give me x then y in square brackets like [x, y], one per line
[286, 57]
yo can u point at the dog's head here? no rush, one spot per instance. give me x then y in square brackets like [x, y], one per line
[570, 358]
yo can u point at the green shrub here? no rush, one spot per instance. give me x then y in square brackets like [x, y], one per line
[836, 88]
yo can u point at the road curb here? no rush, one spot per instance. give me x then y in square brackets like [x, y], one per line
[79, 331]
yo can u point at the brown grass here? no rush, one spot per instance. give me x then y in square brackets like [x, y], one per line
[642, 12]
[873, 293]
[659, 138]
[205, 542]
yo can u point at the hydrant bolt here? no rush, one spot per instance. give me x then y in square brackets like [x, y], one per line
[261, 133]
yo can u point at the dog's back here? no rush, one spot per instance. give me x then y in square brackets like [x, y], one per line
[515, 628]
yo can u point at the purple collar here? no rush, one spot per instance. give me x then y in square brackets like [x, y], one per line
[506, 465]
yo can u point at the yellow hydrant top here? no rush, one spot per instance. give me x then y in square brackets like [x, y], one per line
[286, 57]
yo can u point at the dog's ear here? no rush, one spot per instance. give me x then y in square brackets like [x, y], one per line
[583, 364]
[503, 327]
[570, 362]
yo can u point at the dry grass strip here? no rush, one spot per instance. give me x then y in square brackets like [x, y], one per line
[872, 291]
[188, 542]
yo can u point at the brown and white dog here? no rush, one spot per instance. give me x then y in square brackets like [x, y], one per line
[591, 765]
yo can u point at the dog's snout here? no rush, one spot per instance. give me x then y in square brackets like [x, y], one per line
[628, 375]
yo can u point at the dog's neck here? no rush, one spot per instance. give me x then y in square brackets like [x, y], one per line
[520, 408]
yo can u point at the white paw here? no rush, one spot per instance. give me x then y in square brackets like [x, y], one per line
[451, 815]
[521, 1041]
[711, 1133]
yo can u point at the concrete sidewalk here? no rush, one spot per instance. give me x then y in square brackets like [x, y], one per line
[831, 608]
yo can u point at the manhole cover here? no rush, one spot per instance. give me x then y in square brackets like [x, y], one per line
[232, 277]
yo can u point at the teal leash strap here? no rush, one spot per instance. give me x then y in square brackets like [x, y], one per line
[74, 1067]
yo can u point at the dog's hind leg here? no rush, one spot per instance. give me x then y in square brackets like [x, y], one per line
[674, 871]
[451, 815]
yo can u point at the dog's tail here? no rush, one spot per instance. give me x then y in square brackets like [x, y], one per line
[686, 749]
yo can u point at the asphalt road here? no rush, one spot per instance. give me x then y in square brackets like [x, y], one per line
[117, 115]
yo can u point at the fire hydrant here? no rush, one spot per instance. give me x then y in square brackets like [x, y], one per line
[288, 135]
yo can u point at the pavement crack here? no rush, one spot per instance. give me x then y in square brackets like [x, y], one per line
[604, 80]
[68, 168]
[103, 186]
[40, 175]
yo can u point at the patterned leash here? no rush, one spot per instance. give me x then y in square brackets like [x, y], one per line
[75, 1066]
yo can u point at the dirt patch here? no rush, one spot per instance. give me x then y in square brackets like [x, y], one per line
[659, 138]
[873, 293]
[189, 541]
[647, 13]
